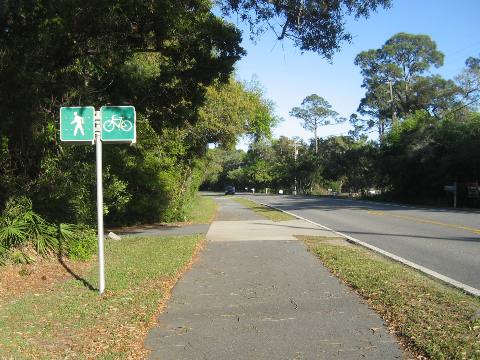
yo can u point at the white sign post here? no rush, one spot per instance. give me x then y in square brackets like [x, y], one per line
[83, 125]
[98, 146]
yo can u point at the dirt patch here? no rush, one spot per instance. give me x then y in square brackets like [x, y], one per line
[325, 240]
[37, 278]
[143, 227]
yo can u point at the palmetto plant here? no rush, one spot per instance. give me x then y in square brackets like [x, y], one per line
[67, 232]
[13, 235]
[13, 231]
[21, 227]
[22, 231]
[42, 234]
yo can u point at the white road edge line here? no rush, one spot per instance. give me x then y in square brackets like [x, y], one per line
[445, 279]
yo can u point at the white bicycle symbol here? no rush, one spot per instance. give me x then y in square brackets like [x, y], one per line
[117, 122]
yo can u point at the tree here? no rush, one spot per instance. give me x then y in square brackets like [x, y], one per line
[394, 81]
[284, 171]
[349, 163]
[315, 111]
[223, 167]
[259, 162]
[469, 82]
[317, 26]
[234, 109]
[375, 108]
[160, 56]
[423, 154]
[82, 55]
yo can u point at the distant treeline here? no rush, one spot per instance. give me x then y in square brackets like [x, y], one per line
[428, 136]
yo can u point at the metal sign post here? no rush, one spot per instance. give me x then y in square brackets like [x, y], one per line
[84, 125]
[452, 189]
[98, 146]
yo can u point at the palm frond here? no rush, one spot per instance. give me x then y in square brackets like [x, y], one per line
[13, 232]
[67, 232]
[42, 234]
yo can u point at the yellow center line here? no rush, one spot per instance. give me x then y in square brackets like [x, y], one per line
[425, 221]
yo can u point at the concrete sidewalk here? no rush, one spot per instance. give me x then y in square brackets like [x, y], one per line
[161, 230]
[256, 293]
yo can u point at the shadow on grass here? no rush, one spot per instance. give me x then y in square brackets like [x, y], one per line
[77, 277]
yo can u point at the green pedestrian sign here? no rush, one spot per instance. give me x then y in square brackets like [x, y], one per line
[118, 124]
[114, 124]
[77, 124]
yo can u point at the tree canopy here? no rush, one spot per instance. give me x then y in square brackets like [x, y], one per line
[469, 82]
[159, 56]
[235, 109]
[396, 85]
[317, 26]
[315, 111]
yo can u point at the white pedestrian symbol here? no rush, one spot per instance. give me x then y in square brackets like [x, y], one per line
[78, 121]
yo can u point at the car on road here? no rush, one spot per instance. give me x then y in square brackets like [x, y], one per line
[230, 190]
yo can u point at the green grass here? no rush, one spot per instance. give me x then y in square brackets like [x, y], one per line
[203, 210]
[436, 320]
[73, 321]
[265, 211]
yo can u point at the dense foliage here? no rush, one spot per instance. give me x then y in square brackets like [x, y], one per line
[423, 154]
[160, 56]
[25, 235]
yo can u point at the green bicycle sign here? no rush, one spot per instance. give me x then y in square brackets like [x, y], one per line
[118, 124]
[84, 125]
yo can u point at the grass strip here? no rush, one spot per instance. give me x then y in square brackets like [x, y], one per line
[74, 322]
[203, 210]
[265, 211]
[435, 320]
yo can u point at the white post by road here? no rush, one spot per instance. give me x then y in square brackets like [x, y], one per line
[295, 145]
[88, 130]
[101, 260]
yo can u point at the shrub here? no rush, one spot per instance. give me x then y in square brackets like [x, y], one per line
[77, 242]
[24, 233]
[13, 225]
[21, 226]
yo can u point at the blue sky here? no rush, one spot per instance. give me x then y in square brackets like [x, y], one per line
[288, 76]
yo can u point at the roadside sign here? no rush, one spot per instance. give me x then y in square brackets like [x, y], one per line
[114, 124]
[77, 124]
[118, 124]
[450, 188]
[473, 190]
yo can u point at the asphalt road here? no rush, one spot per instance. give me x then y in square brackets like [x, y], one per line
[446, 241]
